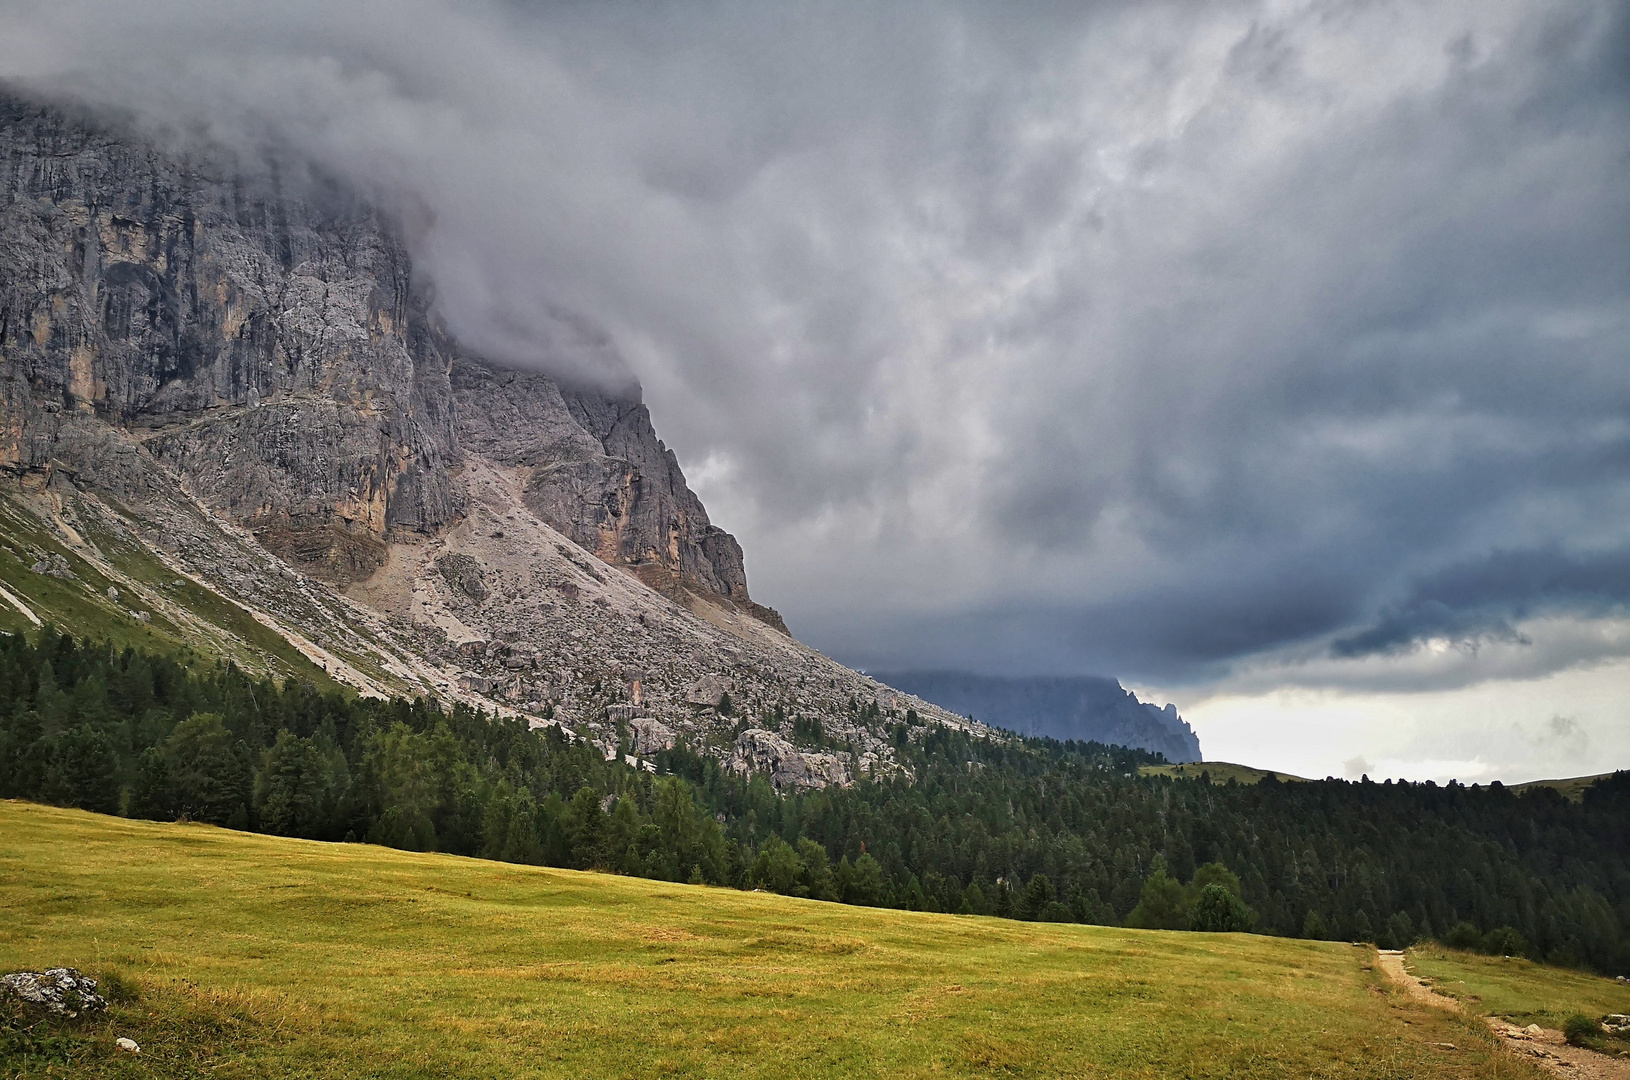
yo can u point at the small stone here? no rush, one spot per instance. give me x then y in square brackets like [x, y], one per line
[113, 594]
[127, 1044]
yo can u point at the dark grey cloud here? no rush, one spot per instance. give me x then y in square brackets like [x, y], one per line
[1151, 338]
[1485, 600]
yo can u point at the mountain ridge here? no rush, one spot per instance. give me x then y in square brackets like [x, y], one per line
[1060, 707]
[239, 379]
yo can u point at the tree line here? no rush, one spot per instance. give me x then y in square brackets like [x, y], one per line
[1020, 828]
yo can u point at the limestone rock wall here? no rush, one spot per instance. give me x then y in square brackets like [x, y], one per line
[262, 336]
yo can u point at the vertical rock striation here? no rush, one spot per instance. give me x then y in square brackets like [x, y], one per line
[262, 336]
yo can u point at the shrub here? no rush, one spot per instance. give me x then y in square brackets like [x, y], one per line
[1504, 941]
[1220, 911]
[1463, 936]
[1160, 906]
[1313, 926]
[1580, 1029]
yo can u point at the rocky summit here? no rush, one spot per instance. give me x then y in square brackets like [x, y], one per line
[229, 413]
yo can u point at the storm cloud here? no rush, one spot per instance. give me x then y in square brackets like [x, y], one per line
[1151, 339]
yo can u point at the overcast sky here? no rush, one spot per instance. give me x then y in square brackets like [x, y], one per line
[1273, 357]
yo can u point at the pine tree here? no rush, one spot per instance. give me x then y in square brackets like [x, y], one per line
[83, 771]
[294, 788]
[1038, 894]
[152, 795]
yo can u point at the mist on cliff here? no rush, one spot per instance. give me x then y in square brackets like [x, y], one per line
[1256, 344]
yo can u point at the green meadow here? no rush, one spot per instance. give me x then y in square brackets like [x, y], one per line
[259, 956]
[1516, 989]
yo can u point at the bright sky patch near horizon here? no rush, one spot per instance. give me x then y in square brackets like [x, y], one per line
[1273, 354]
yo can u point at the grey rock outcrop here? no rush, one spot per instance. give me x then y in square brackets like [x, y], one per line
[708, 690]
[765, 752]
[262, 338]
[261, 334]
[61, 992]
[596, 471]
[651, 735]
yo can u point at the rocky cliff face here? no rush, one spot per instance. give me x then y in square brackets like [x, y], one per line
[268, 350]
[229, 420]
[262, 336]
[594, 470]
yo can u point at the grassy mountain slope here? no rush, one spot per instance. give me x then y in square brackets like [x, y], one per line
[78, 566]
[1220, 772]
[262, 956]
[1572, 788]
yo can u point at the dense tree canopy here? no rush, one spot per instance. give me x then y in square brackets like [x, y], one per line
[1022, 828]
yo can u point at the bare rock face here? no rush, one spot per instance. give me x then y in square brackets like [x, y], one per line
[651, 735]
[761, 751]
[596, 471]
[464, 574]
[262, 337]
[265, 344]
[708, 690]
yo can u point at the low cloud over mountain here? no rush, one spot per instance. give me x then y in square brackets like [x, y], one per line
[1161, 339]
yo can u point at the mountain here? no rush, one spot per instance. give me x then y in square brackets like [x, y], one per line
[1081, 708]
[230, 418]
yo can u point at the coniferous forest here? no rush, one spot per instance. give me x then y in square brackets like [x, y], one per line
[1022, 828]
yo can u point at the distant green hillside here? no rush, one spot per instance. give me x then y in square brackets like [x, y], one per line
[1573, 788]
[260, 956]
[1220, 772]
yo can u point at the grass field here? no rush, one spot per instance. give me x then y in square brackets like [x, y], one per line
[1518, 990]
[1220, 772]
[260, 956]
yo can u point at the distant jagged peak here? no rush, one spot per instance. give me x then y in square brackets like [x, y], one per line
[1057, 706]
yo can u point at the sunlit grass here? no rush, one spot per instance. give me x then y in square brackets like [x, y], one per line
[1516, 989]
[262, 956]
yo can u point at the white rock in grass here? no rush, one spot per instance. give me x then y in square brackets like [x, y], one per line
[127, 1044]
[61, 991]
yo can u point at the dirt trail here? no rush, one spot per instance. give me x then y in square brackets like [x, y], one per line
[1392, 963]
[1543, 1046]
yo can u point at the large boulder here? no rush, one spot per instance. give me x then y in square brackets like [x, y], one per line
[651, 735]
[765, 752]
[707, 690]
